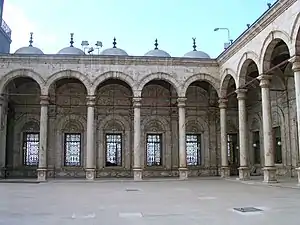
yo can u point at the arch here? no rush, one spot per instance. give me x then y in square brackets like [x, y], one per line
[268, 45]
[67, 74]
[224, 85]
[200, 77]
[243, 64]
[21, 73]
[295, 34]
[191, 121]
[161, 121]
[79, 121]
[158, 76]
[102, 122]
[112, 75]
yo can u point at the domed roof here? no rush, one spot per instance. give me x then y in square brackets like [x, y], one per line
[30, 50]
[157, 52]
[71, 50]
[195, 53]
[114, 50]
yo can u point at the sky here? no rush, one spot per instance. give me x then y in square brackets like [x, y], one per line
[134, 23]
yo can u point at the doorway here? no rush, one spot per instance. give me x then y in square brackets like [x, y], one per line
[233, 153]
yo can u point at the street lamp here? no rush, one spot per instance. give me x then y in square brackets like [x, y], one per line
[227, 44]
[90, 50]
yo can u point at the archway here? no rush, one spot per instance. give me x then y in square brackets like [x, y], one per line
[201, 138]
[113, 113]
[67, 117]
[160, 134]
[20, 127]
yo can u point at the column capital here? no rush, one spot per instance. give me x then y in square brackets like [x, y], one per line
[296, 63]
[265, 80]
[223, 103]
[181, 102]
[91, 100]
[241, 93]
[44, 100]
[137, 102]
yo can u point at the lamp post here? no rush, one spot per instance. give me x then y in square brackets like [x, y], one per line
[227, 44]
[90, 50]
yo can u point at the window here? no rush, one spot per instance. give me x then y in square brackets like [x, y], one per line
[256, 147]
[277, 144]
[154, 145]
[31, 144]
[232, 148]
[193, 149]
[72, 149]
[113, 149]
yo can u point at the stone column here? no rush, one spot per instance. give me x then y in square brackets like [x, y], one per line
[296, 69]
[183, 171]
[42, 167]
[225, 172]
[2, 145]
[244, 172]
[269, 169]
[137, 166]
[90, 142]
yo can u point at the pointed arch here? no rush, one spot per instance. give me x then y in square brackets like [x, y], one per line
[269, 43]
[244, 62]
[67, 74]
[159, 76]
[112, 75]
[200, 77]
[295, 34]
[224, 85]
[21, 73]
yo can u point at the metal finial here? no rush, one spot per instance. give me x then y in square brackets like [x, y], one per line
[114, 43]
[72, 40]
[194, 44]
[156, 44]
[31, 39]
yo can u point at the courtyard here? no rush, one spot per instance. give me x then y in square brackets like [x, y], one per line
[196, 201]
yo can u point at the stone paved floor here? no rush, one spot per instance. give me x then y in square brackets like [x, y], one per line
[204, 201]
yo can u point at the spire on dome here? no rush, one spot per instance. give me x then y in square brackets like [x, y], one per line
[114, 43]
[156, 44]
[194, 44]
[31, 39]
[72, 40]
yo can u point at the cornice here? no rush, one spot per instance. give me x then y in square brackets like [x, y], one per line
[108, 60]
[258, 26]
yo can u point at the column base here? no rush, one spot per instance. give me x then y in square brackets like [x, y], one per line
[183, 173]
[90, 174]
[41, 175]
[244, 173]
[298, 173]
[270, 174]
[225, 172]
[137, 174]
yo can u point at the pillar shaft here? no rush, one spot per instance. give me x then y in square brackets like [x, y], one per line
[223, 139]
[183, 173]
[137, 166]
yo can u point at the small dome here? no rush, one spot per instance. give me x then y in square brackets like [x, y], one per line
[157, 52]
[71, 50]
[30, 50]
[195, 53]
[114, 50]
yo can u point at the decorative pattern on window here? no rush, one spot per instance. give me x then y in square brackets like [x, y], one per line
[113, 149]
[31, 145]
[193, 149]
[72, 149]
[154, 144]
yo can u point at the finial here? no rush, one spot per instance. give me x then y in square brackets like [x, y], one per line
[72, 42]
[156, 44]
[194, 44]
[31, 39]
[114, 43]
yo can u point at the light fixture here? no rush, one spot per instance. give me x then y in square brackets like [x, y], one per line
[237, 147]
[230, 41]
[99, 44]
[279, 143]
[254, 145]
[85, 43]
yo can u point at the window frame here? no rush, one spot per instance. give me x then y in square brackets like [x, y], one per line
[161, 149]
[199, 148]
[105, 151]
[24, 148]
[64, 146]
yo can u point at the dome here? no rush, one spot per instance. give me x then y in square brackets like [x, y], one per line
[30, 50]
[71, 50]
[114, 50]
[157, 52]
[195, 53]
